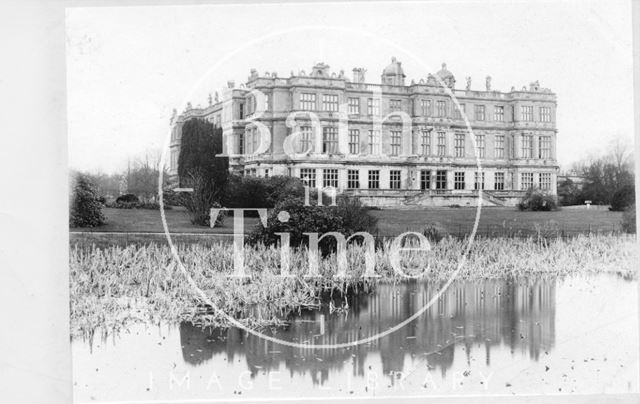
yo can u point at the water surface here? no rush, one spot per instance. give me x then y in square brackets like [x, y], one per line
[571, 335]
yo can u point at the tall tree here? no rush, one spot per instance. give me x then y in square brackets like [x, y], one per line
[199, 168]
[85, 209]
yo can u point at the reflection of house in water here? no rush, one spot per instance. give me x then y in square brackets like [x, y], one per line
[520, 315]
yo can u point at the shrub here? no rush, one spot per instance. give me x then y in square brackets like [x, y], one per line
[127, 198]
[221, 215]
[86, 209]
[629, 220]
[536, 200]
[354, 215]
[203, 197]
[623, 198]
[347, 218]
[172, 198]
[258, 192]
[136, 205]
[434, 232]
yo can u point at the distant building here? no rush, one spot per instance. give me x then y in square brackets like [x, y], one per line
[391, 143]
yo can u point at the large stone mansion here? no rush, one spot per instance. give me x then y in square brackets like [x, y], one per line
[390, 143]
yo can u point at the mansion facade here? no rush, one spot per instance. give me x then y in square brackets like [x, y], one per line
[392, 143]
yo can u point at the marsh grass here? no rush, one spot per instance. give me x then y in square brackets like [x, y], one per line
[116, 286]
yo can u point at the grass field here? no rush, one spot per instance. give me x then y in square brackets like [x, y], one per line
[461, 220]
[149, 221]
[391, 222]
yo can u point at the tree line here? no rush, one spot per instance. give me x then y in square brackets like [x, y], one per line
[605, 179]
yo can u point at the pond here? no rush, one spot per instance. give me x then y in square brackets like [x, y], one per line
[531, 336]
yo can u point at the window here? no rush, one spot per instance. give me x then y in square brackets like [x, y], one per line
[544, 151]
[425, 142]
[253, 145]
[394, 179]
[526, 113]
[498, 113]
[374, 142]
[174, 159]
[241, 111]
[267, 172]
[396, 142]
[498, 181]
[374, 179]
[329, 139]
[353, 179]
[441, 179]
[354, 106]
[480, 116]
[308, 177]
[305, 139]
[248, 142]
[459, 144]
[330, 178]
[526, 181]
[308, 101]
[442, 108]
[457, 112]
[480, 146]
[527, 146]
[499, 146]
[425, 107]
[425, 179]
[479, 180]
[373, 106]
[545, 181]
[442, 144]
[545, 114]
[458, 180]
[330, 102]
[354, 141]
[241, 139]
[395, 105]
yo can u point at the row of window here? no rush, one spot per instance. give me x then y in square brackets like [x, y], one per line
[330, 178]
[427, 180]
[330, 143]
[330, 103]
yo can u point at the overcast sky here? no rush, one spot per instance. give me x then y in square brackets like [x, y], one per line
[128, 67]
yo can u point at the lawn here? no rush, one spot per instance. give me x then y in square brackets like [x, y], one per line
[391, 222]
[460, 220]
[149, 221]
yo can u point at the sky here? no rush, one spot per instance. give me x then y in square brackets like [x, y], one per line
[129, 67]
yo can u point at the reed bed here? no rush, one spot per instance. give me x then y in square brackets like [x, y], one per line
[116, 286]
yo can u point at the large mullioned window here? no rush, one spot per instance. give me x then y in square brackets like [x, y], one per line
[308, 101]
[329, 139]
[374, 142]
[330, 102]
[396, 142]
[354, 141]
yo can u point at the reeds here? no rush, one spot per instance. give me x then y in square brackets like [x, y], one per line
[112, 287]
